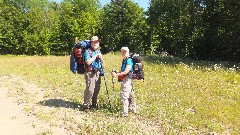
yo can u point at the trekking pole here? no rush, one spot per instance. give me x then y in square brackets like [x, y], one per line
[106, 89]
[112, 105]
[102, 70]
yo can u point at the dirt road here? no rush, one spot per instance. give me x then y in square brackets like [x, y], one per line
[13, 118]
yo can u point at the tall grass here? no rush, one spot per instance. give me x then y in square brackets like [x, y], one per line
[182, 96]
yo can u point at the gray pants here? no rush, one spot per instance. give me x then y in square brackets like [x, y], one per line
[93, 82]
[127, 96]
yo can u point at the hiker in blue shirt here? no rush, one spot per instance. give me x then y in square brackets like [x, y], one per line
[93, 59]
[127, 95]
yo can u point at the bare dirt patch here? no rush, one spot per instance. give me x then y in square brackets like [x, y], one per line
[17, 95]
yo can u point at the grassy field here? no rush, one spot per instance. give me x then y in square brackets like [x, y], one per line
[179, 96]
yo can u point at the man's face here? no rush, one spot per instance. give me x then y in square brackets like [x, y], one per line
[95, 44]
[123, 52]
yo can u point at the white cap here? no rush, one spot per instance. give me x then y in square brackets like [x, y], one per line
[125, 48]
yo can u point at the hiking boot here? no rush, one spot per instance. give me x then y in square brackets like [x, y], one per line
[132, 110]
[94, 106]
[123, 114]
[85, 108]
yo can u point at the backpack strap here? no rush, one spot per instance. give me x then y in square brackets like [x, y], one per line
[126, 64]
[90, 52]
[89, 67]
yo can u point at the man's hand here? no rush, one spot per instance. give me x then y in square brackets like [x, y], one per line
[114, 74]
[99, 55]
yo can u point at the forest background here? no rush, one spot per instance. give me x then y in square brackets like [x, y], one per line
[197, 29]
[193, 90]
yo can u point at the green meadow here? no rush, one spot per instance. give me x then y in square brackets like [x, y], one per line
[177, 96]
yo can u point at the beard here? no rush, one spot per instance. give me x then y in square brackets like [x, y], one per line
[95, 46]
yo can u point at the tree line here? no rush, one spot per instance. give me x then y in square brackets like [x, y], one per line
[199, 29]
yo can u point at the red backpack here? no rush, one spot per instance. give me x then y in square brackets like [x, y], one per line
[77, 63]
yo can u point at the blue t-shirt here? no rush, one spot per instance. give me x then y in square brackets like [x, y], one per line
[97, 62]
[125, 62]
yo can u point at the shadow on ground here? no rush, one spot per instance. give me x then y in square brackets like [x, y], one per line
[60, 103]
[68, 104]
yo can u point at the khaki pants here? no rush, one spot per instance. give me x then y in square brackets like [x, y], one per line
[127, 96]
[93, 82]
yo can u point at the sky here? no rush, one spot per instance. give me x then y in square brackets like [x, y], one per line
[141, 3]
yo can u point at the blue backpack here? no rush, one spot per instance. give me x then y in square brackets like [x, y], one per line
[77, 63]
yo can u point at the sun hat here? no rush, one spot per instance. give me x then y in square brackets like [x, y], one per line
[94, 38]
